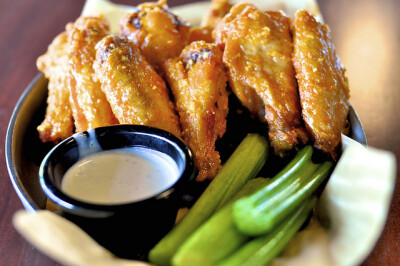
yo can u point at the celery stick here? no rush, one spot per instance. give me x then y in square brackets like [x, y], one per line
[286, 181]
[274, 197]
[263, 249]
[287, 174]
[250, 187]
[290, 203]
[244, 164]
[218, 236]
[259, 213]
[294, 166]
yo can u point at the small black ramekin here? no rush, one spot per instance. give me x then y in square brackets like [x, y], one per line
[127, 230]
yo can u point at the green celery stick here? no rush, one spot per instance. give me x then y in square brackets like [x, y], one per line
[282, 210]
[261, 250]
[273, 197]
[287, 174]
[284, 182]
[244, 164]
[218, 236]
[256, 216]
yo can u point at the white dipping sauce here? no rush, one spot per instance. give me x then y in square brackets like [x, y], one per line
[120, 176]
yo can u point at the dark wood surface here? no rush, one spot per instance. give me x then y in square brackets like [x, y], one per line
[367, 38]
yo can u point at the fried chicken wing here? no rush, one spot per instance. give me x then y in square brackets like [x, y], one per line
[158, 32]
[58, 123]
[137, 94]
[247, 96]
[89, 104]
[224, 27]
[198, 82]
[257, 52]
[323, 86]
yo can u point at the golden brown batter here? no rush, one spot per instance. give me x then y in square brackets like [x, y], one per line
[198, 82]
[323, 86]
[157, 32]
[57, 124]
[89, 104]
[137, 94]
[258, 51]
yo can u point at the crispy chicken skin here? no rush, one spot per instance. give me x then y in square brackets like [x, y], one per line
[246, 94]
[224, 27]
[323, 86]
[89, 104]
[137, 94]
[58, 123]
[258, 52]
[198, 82]
[156, 31]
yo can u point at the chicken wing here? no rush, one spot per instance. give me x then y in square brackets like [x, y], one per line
[58, 123]
[198, 82]
[323, 86]
[158, 32]
[137, 94]
[257, 52]
[89, 105]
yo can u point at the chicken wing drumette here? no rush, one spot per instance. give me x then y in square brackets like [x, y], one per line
[137, 94]
[89, 104]
[158, 32]
[198, 82]
[323, 86]
[257, 52]
[58, 123]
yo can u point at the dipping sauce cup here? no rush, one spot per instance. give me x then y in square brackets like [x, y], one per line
[127, 229]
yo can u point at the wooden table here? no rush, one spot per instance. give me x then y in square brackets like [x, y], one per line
[367, 38]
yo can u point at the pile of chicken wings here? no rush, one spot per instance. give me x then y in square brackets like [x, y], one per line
[161, 72]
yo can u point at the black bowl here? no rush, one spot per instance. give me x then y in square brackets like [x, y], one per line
[128, 230]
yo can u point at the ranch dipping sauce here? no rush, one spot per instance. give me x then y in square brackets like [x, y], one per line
[120, 176]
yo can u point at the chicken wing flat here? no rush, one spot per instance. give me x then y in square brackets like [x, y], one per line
[137, 94]
[198, 82]
[89, 104]
[258, 52]
[323, 86]
[156, 31]
[58, 123]
[245, 93]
